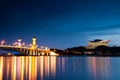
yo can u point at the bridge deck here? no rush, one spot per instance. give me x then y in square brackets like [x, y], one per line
[27, 50]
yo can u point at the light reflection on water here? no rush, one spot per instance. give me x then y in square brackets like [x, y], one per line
[59, 68]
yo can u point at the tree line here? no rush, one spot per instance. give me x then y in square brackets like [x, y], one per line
[98, 51]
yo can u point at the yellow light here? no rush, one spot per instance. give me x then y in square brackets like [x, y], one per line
[53, 53]
[1, 68]
[34, 45]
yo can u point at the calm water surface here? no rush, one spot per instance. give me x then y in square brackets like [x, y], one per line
[59, 68]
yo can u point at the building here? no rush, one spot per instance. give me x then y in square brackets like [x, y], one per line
[97, 42]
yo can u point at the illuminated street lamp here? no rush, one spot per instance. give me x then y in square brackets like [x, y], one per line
[15, 44]
[23, 44]
[2, 42]
[30, 45]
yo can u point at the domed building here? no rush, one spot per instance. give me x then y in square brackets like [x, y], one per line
[97, 42]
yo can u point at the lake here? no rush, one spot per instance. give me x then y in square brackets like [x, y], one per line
[59, 68]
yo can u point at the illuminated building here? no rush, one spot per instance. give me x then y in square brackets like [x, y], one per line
[97, 42]
[34, 43]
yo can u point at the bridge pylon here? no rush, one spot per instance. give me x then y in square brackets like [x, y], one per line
[34, 45]
[19, 42]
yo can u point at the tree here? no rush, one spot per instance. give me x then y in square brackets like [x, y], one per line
[102, 50]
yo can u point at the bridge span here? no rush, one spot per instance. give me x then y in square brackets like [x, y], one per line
[27, 50]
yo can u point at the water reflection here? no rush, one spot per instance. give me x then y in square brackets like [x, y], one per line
[100, 67]
[27, 68]
[59, 68]
[1, 68]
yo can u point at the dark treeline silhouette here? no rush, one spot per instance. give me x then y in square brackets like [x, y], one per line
[98, 51]
[76, 50]
[107, 51]
[71, 51]
[80, 50]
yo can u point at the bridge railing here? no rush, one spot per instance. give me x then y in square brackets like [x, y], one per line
[11, 46]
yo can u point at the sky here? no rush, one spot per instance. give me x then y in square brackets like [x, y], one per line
[60, 23]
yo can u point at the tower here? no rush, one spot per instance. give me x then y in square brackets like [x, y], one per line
[19, 42]
[34, 43]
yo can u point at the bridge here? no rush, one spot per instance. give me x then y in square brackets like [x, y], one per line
[23, 49]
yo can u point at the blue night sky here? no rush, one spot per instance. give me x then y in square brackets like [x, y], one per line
[60, 23]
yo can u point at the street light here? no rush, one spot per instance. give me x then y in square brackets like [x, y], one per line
[2, 42]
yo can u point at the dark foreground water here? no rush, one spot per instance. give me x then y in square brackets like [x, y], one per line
[59, 68]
